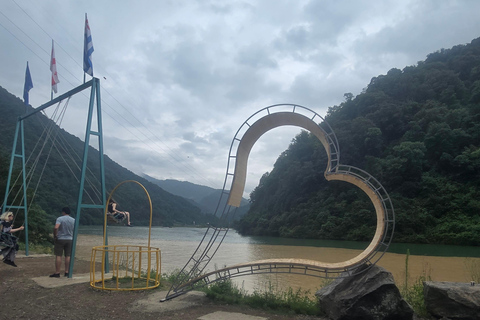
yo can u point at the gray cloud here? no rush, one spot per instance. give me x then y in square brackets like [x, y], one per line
[179, 77]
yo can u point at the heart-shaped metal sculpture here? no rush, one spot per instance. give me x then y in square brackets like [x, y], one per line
[251, 130]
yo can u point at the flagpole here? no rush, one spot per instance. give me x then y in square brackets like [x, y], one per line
[24, 87]
[84, 49]
[51, 87]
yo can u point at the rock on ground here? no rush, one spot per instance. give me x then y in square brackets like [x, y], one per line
[452, 300]
[368, 295]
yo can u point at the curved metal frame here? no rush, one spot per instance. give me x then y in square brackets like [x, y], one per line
[117, 250]
[248, 133]
[105, 211]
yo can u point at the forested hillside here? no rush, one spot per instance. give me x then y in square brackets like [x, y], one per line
[59, 184]
[416, 130]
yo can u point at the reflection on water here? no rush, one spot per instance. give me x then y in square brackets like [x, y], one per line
[441, 263]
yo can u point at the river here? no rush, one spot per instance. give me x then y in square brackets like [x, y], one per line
[440, 263]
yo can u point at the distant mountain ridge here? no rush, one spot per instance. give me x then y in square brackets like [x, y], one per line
[206, 198]
[183, 189]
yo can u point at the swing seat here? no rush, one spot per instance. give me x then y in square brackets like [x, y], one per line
[117, 218]
[7, 240]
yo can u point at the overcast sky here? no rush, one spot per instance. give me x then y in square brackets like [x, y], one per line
[178, 78]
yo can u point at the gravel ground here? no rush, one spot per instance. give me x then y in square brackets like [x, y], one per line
[23, 298]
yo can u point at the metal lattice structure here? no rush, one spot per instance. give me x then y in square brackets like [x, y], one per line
[192, 274]
[18, 153]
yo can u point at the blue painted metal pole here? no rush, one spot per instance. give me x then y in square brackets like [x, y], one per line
[10, 169]
[59, 98]
[82, 178]
[102, 166]
[23, 204]
[24, 183]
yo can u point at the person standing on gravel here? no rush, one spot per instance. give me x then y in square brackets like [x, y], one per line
[63, 235]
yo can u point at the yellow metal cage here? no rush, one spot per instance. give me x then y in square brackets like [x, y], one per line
[130, 267]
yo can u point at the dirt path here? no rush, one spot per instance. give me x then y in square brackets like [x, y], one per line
[23, 298]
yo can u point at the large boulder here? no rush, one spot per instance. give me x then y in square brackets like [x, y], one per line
[452, 300]
[369, 295]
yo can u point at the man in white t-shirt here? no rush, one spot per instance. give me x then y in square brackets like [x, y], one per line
[63, 235]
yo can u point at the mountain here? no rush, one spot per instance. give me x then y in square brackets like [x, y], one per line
[204, 197]
[417, 131]
[183, 189]
[58, 167]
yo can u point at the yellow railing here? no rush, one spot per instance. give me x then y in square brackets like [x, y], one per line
[132, 267]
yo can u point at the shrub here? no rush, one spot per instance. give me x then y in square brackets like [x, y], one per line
[289, 301]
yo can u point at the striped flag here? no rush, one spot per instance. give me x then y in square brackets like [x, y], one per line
[28, 85]
[87, 49]
[53, 68]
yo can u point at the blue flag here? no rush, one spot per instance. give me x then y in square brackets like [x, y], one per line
[87, 49]
[28, 85]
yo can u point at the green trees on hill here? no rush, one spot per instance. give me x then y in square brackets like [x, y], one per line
[417, 130]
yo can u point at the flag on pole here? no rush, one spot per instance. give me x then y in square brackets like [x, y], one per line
[28, 85]
[53, 68]
[87, 49]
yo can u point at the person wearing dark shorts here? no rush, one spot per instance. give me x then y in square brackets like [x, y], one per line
[118, 216]
[63, 235]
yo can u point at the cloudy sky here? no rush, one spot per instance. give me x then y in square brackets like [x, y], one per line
[178, 78]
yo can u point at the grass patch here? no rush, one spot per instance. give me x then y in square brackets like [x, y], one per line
[170, 277]
[167, 279]
[127, 282]
[37, 248]
[414, 296]
[413, 293]
[288, 302]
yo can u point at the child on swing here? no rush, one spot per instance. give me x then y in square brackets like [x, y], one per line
[117, 215]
